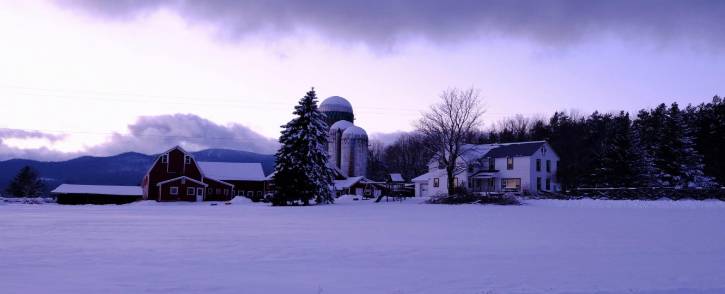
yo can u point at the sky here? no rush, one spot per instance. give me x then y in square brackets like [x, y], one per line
[105, 77]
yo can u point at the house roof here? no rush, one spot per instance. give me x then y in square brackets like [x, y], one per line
[232, 171]
[433, 174]
[351, 181]
[180, 178]
[396, 178]
[99, 190]
[515, 149]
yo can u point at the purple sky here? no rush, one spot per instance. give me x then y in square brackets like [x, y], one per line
[102, 77]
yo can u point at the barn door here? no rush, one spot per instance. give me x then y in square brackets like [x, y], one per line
[199, 194]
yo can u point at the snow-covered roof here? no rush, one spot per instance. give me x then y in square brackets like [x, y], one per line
[349, 182]
[341, 125]
[336, 103]
[98, 189]
[432, 174]
[396, 178]
[354, 132]
[232, 171]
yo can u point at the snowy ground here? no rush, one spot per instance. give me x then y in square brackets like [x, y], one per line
[362, 247]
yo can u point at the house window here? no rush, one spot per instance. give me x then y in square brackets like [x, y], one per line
[164, 158]
[190, 191]
[174, 190]
[187, 159]
[511, 184]
[538, 164]
[509, 163]
[548, 184]
[538, 183]
[436, 182]
[492, 163]
[548, 166]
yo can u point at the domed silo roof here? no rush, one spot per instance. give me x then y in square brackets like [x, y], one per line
[336, 104]
[354, 132]
[341, 125]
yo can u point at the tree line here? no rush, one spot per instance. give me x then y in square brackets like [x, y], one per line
[664, 146]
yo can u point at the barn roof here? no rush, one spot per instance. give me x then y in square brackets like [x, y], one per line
[98, 190]
[232, 171]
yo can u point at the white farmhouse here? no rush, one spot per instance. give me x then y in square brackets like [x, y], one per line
[522, 168]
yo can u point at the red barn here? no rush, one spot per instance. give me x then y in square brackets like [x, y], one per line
[177, 176]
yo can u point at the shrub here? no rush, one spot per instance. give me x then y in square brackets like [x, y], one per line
[462, 196]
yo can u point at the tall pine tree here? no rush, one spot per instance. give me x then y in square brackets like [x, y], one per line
[301, 171]
[26, 184]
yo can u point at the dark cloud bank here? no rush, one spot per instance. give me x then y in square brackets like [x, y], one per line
[152, 134]
[382, 23]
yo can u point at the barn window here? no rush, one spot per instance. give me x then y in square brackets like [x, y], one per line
[509, 163]
[174, 190]
[190, 191]
[187, 159]
[164, 158]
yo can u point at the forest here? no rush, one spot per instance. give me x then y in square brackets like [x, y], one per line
[664, 146]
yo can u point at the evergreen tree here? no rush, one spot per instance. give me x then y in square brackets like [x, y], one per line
[26, 184]
[301, 170]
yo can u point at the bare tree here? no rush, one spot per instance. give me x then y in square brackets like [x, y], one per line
[448, 124]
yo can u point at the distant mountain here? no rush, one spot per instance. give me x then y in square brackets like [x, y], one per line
[122, 169]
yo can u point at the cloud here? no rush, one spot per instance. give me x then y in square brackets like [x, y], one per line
[149, 135]
[382, 23]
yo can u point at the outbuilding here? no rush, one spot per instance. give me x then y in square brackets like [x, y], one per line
[97, 194]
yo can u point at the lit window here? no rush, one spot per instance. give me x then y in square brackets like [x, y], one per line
[511, 184]
[174, 190]
[509, 163]
[190, 191]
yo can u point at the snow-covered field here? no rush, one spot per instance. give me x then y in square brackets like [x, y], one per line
[362, 247]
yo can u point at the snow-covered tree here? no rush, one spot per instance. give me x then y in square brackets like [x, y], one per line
[301, 170]
[26, 184]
